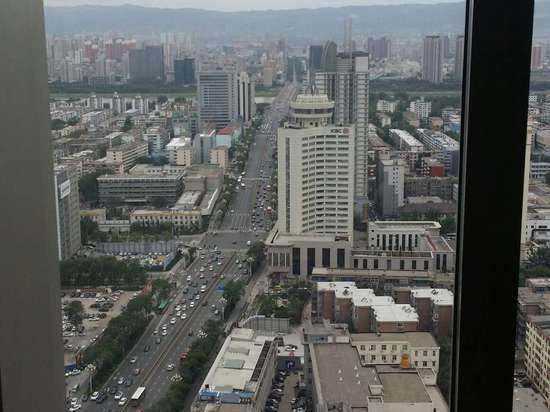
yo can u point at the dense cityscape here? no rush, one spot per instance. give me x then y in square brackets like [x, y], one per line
[269, 223]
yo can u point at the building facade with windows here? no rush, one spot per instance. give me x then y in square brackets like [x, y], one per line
[67, 208]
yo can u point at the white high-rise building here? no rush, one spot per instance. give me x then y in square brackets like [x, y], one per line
[432, 62]
[348, 87]
[247, 95]
[218, 96]
[421, 107]
[315, 170]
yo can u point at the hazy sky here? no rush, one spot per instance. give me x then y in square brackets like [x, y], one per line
[235, 5]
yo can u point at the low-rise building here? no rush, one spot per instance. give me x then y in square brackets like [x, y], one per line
[386, 106]
[127, 154]
[385, 120]
[421, 108]
[404, 141]
[341, 384]
[219, 155]
[174, 146]
[139, 189]
[178, 218]
[389, 348]
[240, 377]
[429, 186]
[435, 310]
[157, 139]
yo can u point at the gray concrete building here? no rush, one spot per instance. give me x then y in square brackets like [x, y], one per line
[218, 95]
[140, 189]
[146, 64]
[67, 210]
[390, 182]
[432, 61]
[348, 87]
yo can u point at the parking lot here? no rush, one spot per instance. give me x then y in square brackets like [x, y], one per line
[95, 321]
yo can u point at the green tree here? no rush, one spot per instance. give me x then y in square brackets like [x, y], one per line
[57, 124]
[87, 186]
[233, 290]
[73, 121]
[161, 288]
[75, 312]
[128, 124]
[257, 253]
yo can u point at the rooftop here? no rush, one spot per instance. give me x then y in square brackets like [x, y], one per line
[188, 199]
[403, 386]
[226, 131]
[415, 339]
[236, 362]
[407, 138]
[437, 296]
[341, 376]
[395, 313]
[527, 400]
[178, 142]
[403, 225]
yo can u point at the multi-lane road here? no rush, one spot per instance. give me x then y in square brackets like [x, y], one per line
[148, 362]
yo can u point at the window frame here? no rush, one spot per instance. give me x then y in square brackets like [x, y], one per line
[497, 52]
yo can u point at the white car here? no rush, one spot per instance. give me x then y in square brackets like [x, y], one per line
[192, 304]
[133, 360]
[119, 395]
[183, 316]
[178, 313]
[94, 396]
[164, 332]
[122, 401]
[189, 278]
[75, 407]
[172, 321]
[170, 367]
[183, 307]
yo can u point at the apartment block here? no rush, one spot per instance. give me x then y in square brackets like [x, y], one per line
[178, 218]
[219, 155]
[537, 347]
[421, 108]
[127, 154]
[67, 211]
[390, 185]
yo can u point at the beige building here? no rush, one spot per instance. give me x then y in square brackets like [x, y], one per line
[219, 155]
[179, 218]
[315, 171]
[127, 154]
[389, 348]
[537, 348]
[184, 156]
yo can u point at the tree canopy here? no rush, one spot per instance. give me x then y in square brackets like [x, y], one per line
[103, 270]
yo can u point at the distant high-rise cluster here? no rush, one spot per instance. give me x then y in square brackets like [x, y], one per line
[147, 64]
[379, 49]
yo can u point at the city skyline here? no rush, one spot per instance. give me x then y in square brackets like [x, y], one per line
[240, 5]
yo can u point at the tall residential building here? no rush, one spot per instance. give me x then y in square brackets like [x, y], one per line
[315, 166]
[67, 208]
[328, 57]
[379, 48]
[147, 64]
[432, 62]
[348, 87]
[348, 39]
[246, 93]
[536, 57]
[537, 346]
[391, 181]
[184, 71]
[218, 96]
[459, 57]
[314, 57]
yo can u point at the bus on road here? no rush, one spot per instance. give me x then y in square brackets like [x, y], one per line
[138, 396]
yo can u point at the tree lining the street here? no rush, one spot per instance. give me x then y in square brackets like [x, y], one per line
[100, 271]
[120, 336]
[197, 361]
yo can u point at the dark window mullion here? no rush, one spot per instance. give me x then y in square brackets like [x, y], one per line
[495, 94]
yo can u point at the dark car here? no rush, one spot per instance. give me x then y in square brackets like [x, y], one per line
[147, 348]
[128, 382]
[112, 390]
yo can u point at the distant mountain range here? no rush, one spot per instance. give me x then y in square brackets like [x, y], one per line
[322, 23]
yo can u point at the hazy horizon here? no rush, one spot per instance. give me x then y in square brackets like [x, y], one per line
[240, 5]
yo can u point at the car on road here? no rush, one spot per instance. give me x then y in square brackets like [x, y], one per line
[184, 316]
[173, 321]
[94, 396]
[133, 359]
[120, 380]
[136, 371]
[155, 332]
[112, 390]
[128, 382]
[192, 304]
[146, 348]
[170, 367]
[122, 401]
[75, 407]
[164, 333]
[118, 395]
